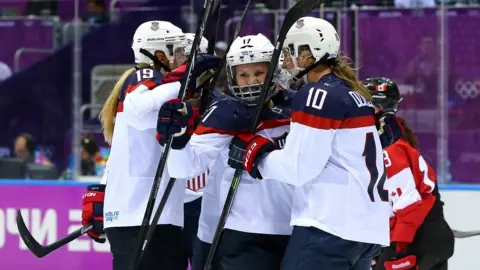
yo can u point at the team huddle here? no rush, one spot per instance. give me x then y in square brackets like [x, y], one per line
[331, 180]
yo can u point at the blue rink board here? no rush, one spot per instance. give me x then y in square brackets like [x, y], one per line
[15, 182]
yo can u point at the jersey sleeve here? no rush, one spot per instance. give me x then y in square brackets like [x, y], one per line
[316, 116]
[103, 181]
[411, 197]
[221, 121]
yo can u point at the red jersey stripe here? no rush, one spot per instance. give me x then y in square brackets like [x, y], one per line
[319, 122]
[314, 121]
[201, 130]
[358, 122]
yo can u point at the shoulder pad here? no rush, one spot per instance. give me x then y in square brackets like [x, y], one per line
[283, 98]
[146, 76]
[225, 116]
[331, 99]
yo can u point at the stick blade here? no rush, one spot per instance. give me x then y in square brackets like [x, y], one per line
[460, 234]
[28, 238]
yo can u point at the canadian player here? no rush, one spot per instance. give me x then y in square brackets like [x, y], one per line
[419, 235]
[129, 118]
[333, 157]
[257, 230]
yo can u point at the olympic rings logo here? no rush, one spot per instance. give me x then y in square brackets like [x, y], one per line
[467, 89]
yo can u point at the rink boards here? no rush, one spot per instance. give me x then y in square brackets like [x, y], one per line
[52, 209]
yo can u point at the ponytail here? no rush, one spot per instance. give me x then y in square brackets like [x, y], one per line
[408, 133]
[341, 68]
[109, 110]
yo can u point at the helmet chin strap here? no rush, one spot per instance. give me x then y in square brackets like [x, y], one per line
[155, 60]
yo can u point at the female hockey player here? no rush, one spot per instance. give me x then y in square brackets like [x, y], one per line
[332, 156]
[129, 117]
[419, 235]
[257, 230]
[195, 185]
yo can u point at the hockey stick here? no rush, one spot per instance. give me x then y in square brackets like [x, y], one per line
[207, 93]
[212, 34]
[171, 182]
[144, 235]
[299, 10]
[42, 251]
[462, 234]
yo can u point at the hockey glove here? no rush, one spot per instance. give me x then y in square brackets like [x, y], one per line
[92, 211]
[246, 152]
[203, 63]
[177, 119]
[402, 260]
[389, 128]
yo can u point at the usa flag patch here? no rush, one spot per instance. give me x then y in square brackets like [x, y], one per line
[198, 183]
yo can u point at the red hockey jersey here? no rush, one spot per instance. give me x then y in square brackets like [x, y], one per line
[411, 184]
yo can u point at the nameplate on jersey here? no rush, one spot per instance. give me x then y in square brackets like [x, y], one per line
[360, 100]
[198, 183]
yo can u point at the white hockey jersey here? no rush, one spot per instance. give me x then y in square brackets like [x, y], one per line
[260, 206]
[334, 158]
[135, 154]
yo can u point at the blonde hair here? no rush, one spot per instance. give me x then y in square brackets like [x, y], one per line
[109, 110]
[341, 68]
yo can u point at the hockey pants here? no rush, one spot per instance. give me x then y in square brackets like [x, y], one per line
[312, 249]
[164, 251]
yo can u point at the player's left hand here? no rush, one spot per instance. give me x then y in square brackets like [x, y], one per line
[402, 260]
[389, 128]
[246, 151]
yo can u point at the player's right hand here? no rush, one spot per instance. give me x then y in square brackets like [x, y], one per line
[92, 211]
[177, 119]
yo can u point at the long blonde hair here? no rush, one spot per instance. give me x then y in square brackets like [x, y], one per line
[341, 68]
[109, 110]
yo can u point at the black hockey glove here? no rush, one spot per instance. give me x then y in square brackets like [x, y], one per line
[389, 128]
[177, 119]
[246, 152]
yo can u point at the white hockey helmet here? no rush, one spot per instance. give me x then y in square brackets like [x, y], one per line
[154, 36]
[318, 34]
[187, 44]
[248, 50]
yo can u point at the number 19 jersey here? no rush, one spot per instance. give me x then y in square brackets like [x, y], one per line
[333, 157]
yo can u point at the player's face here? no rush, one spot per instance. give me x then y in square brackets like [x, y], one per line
[305, 58]
[248, 74]
[162, 58]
